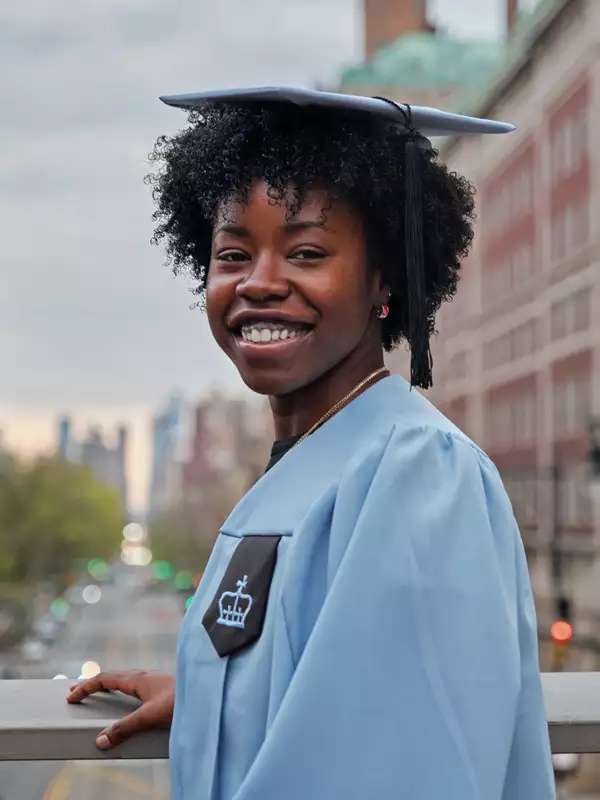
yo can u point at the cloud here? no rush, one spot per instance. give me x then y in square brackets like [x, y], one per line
[88, 309]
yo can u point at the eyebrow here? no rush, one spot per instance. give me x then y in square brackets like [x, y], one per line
[237, 230]
[288, 227]
[300, 225]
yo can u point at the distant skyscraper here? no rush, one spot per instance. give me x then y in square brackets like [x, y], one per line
[64, 436]
[107, 463]
[170, 441]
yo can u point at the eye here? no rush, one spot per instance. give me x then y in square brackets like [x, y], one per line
[231, 255]
[307, 254]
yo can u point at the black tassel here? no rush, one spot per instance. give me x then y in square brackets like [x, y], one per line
[418, 326]
[421, 362]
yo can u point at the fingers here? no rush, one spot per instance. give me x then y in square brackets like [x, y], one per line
[105, 681]
[122, 729]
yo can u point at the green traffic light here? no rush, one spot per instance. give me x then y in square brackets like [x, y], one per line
[184, 580]
[59, 608]
[162, 570]
[98, 568]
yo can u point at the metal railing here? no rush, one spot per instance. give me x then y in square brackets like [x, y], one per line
[36, 724]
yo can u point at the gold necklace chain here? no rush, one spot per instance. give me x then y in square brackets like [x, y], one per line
[345, 399]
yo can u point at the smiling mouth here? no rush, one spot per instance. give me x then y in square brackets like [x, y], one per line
[272, 333]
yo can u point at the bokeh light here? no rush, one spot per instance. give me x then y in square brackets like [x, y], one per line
[91, 594]
[184, 580]
[59, 608]
[134, 533]
[136, 555]
[162, 570]
[98, 569]
[89, 669]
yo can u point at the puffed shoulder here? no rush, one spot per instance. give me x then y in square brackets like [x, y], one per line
[436, 489]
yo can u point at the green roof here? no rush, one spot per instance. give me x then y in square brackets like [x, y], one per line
[521, 48]
[423, 60]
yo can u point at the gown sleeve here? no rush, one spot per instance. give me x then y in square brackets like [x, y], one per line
[419, 676]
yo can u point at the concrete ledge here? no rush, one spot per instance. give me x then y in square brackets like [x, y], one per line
[37, 724]
[573, 709]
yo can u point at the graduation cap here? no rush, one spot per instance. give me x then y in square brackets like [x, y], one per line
[420, 123]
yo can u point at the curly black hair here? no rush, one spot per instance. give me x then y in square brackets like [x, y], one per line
[353, 156]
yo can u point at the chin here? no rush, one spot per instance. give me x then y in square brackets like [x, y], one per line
[272, 384]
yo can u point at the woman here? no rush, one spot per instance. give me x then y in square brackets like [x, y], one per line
[365, 626]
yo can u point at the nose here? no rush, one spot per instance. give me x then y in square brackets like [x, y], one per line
[265, 280]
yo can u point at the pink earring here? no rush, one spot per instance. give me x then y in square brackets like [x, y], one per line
[383, 311]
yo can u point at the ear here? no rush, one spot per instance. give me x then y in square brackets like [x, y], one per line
[381, 291]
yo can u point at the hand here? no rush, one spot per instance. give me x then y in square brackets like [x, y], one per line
[154, 689]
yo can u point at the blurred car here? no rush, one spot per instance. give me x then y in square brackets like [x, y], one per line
[8, 673]
[33, 650]
[73, 594]
[46, 628]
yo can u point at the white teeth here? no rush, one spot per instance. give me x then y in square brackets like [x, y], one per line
[265, 335]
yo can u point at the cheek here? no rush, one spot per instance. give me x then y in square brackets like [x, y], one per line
[220, 293]
[343, 301]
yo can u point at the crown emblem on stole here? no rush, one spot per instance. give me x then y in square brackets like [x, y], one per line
[234, 607]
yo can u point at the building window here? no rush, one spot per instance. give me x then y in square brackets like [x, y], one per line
[558, 236]
[568, 144]
[574, 501]
[570, 315]
[559, 152]
[578, 132]
[511, 420]
[558, 320]
[523, 340]
[524, 418]
[571, 406]
[579, 224]
[570, 229]
[581, 310]
[458, 366]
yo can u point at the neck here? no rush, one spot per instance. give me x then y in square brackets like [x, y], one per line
[294, 413]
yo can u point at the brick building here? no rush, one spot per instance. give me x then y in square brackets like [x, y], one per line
[517, 358]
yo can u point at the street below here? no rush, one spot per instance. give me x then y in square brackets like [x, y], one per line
[130, 627]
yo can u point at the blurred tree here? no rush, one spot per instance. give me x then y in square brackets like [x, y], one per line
[52, 513]
[184, 535]
[176, 537]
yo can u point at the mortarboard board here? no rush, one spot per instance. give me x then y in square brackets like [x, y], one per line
[420, 123]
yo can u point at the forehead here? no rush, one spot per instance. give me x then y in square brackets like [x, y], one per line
[317, 204]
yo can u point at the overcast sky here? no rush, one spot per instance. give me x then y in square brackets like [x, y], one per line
[90, 317]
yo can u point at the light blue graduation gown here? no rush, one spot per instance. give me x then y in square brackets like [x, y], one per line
[398, 656]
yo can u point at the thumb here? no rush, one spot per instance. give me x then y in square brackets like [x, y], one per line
[123, 728]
